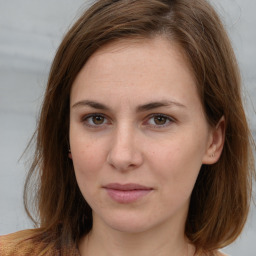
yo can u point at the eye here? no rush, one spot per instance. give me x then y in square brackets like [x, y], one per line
[159, 120]
[95, 120]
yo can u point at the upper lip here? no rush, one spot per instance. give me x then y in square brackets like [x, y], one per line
[126, 187]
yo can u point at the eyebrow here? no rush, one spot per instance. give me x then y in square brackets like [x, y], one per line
[141, 108]
[92, 104]
[158, 104]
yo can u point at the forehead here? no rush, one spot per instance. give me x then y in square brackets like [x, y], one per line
[142, 50]
[128, 67]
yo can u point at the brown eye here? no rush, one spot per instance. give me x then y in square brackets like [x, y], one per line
[95, 120]
[98, 120]
[160, 120]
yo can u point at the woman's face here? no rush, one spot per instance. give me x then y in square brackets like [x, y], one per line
[138, 135]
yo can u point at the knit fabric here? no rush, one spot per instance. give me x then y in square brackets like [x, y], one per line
[21, 244]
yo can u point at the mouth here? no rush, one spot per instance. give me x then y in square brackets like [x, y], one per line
[126, 193]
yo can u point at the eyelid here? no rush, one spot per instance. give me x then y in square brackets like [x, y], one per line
[170, 119]
[84, 119]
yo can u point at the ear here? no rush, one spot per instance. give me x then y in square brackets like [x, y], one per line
[216, 143]
[69, 154]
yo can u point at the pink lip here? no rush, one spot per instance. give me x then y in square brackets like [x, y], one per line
[126, 193]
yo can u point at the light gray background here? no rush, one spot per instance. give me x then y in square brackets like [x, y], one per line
[30, 31]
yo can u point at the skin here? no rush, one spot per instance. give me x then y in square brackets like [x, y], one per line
[161, 146]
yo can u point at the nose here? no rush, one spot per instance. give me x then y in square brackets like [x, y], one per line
[125, 153]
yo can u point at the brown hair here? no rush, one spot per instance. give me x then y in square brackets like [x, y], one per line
[221, 196]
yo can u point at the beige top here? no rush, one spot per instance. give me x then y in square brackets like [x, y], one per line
[22, 244]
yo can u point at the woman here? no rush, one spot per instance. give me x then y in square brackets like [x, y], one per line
[143, 146]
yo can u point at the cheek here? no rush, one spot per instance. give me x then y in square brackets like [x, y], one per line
[86, 153]
[87, 166]
[176, 165]
[87, 162]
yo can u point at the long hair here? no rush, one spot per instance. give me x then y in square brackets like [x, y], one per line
[221, 196]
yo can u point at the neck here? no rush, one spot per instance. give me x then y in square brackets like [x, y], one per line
[161, 241]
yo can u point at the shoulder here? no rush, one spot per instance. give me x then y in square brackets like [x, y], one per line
[213, 253]
[19, 243]
[35, 242]
[222, 254]
[22, 243]
[219, 253]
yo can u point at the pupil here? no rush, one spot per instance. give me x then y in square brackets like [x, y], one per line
[160, 120]
[98, 119]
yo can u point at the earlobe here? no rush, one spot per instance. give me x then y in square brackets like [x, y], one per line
[69, 154]
[216, 143]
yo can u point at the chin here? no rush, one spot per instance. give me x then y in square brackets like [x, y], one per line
[129, 227]
[128, 222]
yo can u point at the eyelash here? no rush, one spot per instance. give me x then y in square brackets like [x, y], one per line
[86, 118]
[168, 120]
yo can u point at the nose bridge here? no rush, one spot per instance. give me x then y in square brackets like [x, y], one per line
[124, 151]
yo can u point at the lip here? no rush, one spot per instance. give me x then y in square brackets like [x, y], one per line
[126, 193]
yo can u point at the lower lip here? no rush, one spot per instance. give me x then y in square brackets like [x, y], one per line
[127, 196]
